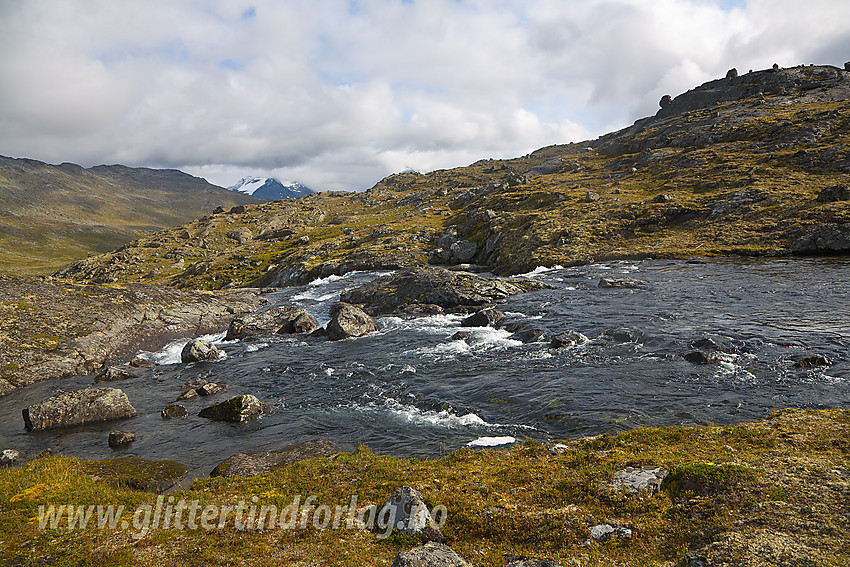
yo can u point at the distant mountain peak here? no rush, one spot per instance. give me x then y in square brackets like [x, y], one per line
[270, 188]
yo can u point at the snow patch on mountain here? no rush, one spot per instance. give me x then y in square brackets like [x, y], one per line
[270, 188]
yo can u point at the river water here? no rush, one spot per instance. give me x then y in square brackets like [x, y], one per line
[409, 390]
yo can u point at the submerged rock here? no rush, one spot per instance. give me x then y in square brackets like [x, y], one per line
[431, 554]
[700, 357]
[113, 373]
[251, 464]
[199, 350]
[235, 410]
[812, 361]
[484, 318]
[89, 405]
[525, 331]
[174, 411]
[411, 291]
[139, 474]
[120, 438]
[622, 283]
[568, 339]
[349, 321]
[281, 319]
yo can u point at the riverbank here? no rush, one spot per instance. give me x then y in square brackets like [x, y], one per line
[767, 493]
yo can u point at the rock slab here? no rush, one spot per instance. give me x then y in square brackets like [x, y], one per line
[78, 407]
[252, 464]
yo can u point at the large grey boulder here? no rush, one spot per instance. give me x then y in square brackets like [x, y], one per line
[237, 409]
[430, 555]
[251, 464]
[349, 321]
[464, 251]
[409, 512]
[282, 319]
[78, 407]
[484, 318]
[199, 350]
[435, 289]
[831, 238]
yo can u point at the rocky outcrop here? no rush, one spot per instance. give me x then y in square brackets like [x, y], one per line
[252, 464]
[824, 239]
[78, 407]
[199, 351]
[236, 410]
[348, 321]
[435, 289]
[430, 555]
[281, 319]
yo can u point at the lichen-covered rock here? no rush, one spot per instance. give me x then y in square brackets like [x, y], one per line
[251, 464]
[281, 319]
[199, 350]
[120, 438]
[431, 554]
[8, 457]
[604, 532]
[136, 473]
[237, 409]
[639, 479]
[349, 321]
[78, 407]
[409, 512]
[411, 290]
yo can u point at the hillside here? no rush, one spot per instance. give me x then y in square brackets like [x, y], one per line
[53, 214]
[755, 164]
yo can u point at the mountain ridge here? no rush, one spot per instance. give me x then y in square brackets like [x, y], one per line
[270, 188]
[740, 172]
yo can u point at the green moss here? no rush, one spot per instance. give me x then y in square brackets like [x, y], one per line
[702, 479]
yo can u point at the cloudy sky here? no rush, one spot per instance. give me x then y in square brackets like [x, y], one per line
[339, 93]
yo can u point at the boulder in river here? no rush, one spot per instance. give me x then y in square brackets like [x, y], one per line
[349, 321]
[199, 350]
[568, 339]
[237, 409]
[120, 438]
[700, 357]
[78, 407]
[525, 331]
[251, 464]
[431, 554]
[627, 283]
[435, 287]
[209, 389]
[812, 361]
[484, 318]
[281, 319]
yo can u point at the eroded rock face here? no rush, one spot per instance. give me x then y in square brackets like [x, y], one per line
[282, 319]
[421, 288]
[251, 464]
[349, 321]
[237, 409]
[89, 405]
[829, 238]
[430, 555]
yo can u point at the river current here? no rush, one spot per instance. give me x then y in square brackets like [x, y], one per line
[410, 390]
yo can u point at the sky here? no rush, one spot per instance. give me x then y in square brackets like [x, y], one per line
[337, 94]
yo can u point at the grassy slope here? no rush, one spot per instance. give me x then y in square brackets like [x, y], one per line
[766, 493]
[740, 177]
[56, 214]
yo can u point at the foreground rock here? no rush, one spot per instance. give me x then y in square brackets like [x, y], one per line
[89, 405]
[434, 289]
[349, 321]
[139, 474]
[8, 457]
[235, 410]
[199, 351]
[281, 319]
[252, 464]
[430, 555]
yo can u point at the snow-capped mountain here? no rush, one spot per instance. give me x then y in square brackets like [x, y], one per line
[270, 188]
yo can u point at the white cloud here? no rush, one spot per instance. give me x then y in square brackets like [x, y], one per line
[337, 94]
